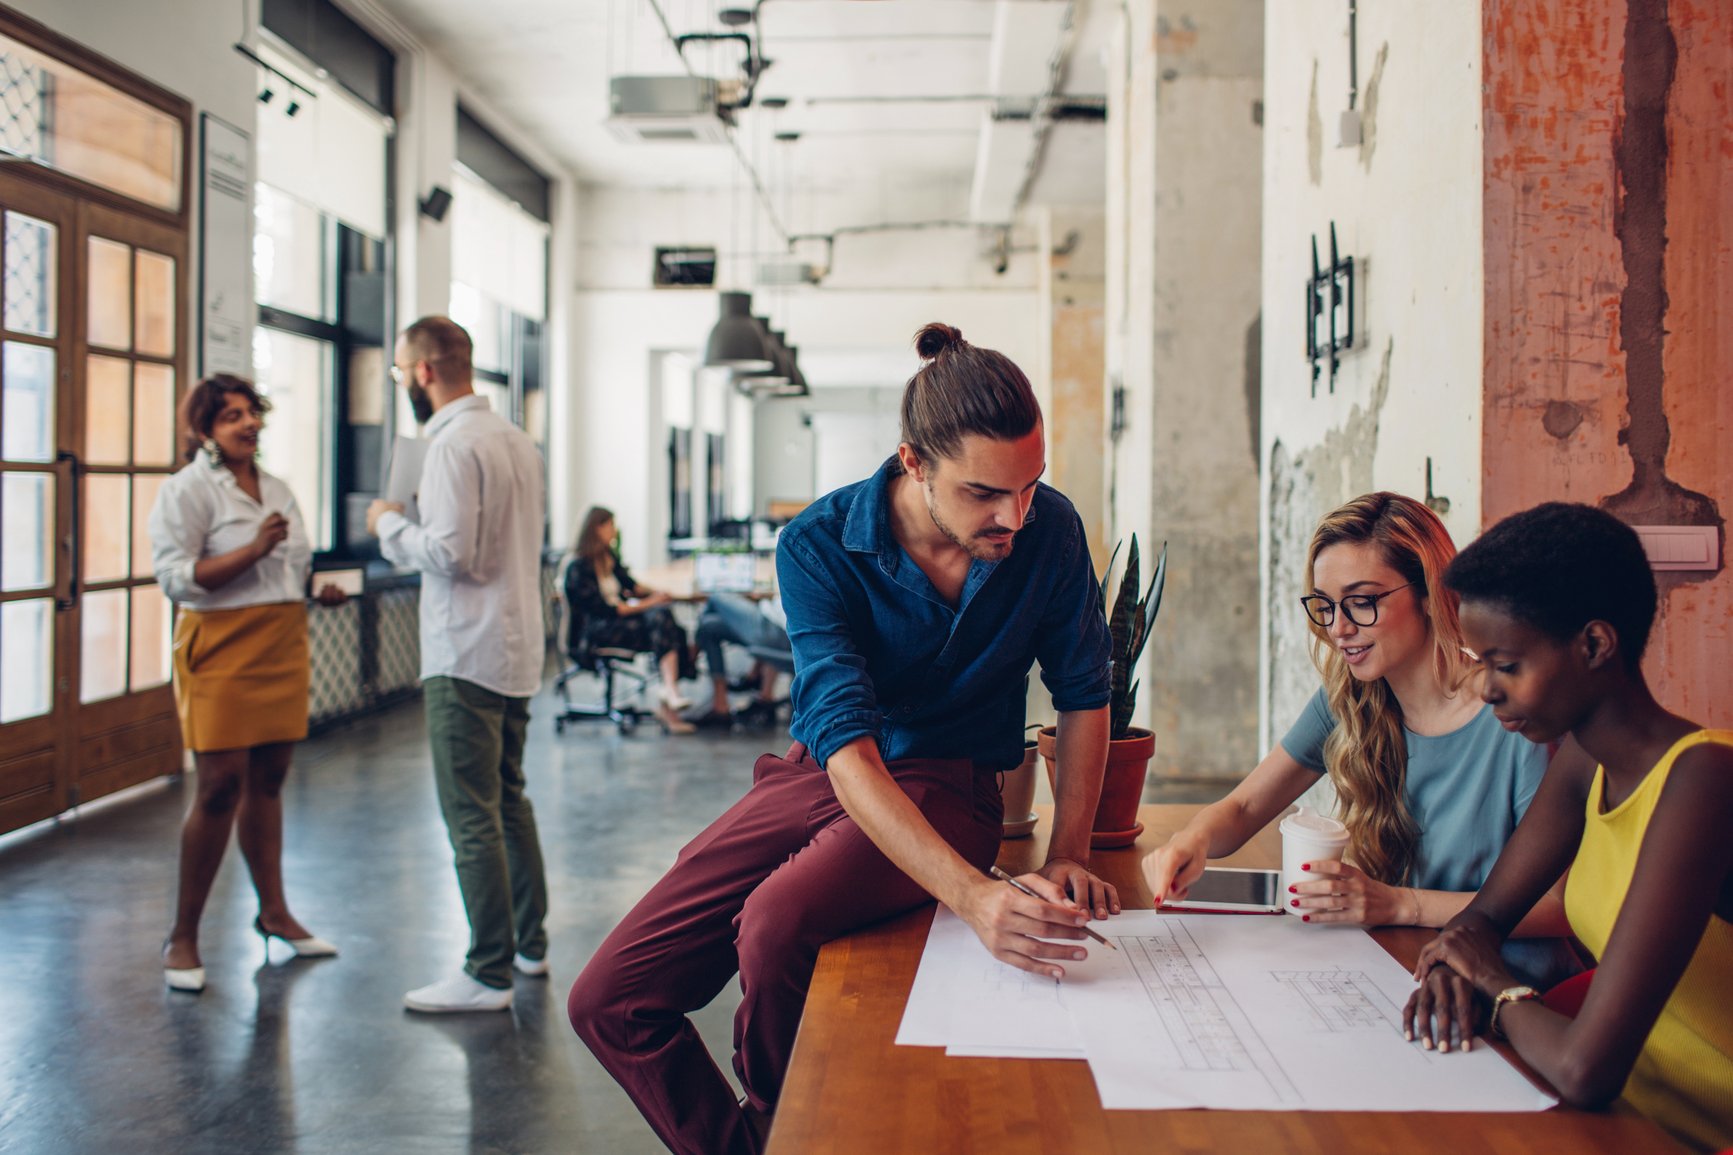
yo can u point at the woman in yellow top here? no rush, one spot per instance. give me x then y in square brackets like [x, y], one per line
[1557, 603]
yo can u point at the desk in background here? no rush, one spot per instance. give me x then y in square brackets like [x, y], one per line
[676, 578]
[851, 1089]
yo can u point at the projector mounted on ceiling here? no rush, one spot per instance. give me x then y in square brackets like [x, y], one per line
[667, 110]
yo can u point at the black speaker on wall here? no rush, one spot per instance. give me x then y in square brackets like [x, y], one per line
[435, 204]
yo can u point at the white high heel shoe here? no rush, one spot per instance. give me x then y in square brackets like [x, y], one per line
[310, 947]
[672, 698]
[189, 979]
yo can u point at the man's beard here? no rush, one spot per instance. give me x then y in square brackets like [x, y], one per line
[420, 404]
[980, 547]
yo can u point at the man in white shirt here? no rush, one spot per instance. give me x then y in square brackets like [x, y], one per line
[478, 547]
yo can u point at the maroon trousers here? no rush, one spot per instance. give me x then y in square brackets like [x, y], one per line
[783, 872]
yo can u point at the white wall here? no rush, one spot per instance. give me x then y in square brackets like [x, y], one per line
[1407, 206]
[882, 290]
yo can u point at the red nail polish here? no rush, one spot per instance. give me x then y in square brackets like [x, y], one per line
[1305, 918]
[1305, 866]
[1294, 902]
[1293, 890]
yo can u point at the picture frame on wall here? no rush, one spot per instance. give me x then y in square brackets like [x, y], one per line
[225, 307]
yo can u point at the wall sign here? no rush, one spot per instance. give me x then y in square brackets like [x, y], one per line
[226, 307]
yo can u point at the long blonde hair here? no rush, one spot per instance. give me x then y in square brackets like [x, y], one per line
[1367, 753]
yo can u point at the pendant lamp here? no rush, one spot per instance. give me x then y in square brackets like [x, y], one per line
[776, 375]
[736, 341]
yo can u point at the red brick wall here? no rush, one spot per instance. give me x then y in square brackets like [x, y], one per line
[1609, 288]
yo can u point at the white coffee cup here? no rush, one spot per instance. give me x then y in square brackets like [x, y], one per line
[1308, 837]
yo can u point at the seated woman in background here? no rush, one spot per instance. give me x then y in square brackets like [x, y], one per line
[1558, 602]
[1429, 786]
[614, 610]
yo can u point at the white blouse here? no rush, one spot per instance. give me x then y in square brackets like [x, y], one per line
[202, 512]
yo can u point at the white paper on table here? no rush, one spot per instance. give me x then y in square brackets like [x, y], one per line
[966, 1051]
[1266, 1014]
[964, 998]
[403, 475]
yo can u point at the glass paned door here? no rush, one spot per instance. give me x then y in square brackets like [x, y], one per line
[128, 376]
[130, 389]
[93, 358]
[36, 231]
[92, 324]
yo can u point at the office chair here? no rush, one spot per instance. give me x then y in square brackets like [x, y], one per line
[606, 662]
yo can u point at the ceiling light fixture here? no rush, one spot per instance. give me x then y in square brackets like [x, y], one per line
[736, 342]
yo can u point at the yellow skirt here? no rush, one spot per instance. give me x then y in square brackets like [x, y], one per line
[241, 676]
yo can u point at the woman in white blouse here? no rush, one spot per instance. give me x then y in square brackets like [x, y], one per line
[229, 548]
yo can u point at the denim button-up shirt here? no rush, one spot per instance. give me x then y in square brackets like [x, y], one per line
[878, 651]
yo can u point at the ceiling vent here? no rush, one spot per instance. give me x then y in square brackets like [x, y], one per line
[666, 110]
[782, 271]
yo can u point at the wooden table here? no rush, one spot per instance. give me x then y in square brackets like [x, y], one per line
[850, 1088]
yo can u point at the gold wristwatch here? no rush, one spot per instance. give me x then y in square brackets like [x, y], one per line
[1516, 994]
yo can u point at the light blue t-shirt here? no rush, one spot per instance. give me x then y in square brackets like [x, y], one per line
[1466, 791]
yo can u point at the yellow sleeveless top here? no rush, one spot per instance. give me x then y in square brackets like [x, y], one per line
[1683, 1079]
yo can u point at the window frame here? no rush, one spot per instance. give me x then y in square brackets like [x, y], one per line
[50, 43]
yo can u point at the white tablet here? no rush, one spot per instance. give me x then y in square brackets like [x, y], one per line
[1233, 890]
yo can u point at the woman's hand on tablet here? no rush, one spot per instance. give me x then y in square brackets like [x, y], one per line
[1170, 870]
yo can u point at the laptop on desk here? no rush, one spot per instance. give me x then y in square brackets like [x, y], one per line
[724, 573]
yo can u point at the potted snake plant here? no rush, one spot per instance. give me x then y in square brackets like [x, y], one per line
[1129, 747]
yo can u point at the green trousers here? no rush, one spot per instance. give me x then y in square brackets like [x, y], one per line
[477, 740]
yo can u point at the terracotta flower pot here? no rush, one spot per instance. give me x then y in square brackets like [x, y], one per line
[1017, 789]
[1128, 758]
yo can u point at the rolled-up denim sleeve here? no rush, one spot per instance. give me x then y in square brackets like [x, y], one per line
[834, 698]
[1074, 649]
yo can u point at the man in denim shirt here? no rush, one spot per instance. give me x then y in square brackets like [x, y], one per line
[917, 601]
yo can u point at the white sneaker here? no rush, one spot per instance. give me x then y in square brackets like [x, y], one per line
[534, 967]
[457, 994]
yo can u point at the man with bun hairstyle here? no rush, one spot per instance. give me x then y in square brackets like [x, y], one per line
[917, 601]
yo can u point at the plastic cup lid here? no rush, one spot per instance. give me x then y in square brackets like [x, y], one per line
[1309, 823]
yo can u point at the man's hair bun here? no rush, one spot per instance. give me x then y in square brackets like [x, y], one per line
[935, 338]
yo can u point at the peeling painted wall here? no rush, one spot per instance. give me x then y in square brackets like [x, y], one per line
[1405, 202]
[1074, 319]
[1185, 469]
[1609, 247]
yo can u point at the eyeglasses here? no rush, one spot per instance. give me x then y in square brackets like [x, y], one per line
[1362, 609]
[399, 374]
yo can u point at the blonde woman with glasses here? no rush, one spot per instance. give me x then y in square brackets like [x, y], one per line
[1428, 783]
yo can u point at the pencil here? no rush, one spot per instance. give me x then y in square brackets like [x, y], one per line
[1002, 876]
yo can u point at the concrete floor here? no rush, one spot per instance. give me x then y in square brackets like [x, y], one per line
[320, 1056]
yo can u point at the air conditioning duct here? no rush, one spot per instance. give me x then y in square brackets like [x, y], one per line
[666, 110]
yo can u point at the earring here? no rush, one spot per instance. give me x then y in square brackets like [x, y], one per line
[213, 453]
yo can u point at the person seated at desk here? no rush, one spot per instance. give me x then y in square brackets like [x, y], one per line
[759, 626]
[1430, 786]
[1557, 603]
[917, 601]
[614, 610]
